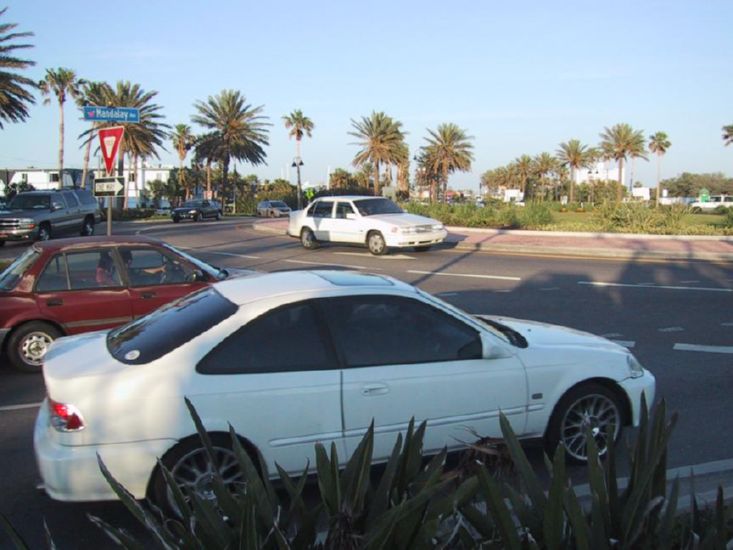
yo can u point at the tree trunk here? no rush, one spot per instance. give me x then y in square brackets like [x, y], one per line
[572, 184]
[376, 179]
[61, 145]
[620, 179]
[659, 181]
[445, 183]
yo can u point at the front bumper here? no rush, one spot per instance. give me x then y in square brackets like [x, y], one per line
[72, 473]
[184, 215]
[635, 388]
[402, 240]
[19, 234]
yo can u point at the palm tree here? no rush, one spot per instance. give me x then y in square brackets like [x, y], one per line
[299, 126]
[619, 142]
[93, 93]
[574, 155]
[381, 140]
[236, 130]
[61, 82]
[448, 149]
[658, 144]
[727, 130]
[183, 140]
[15, 94]
[522, 169]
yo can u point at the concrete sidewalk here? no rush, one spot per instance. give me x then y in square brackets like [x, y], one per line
[596, 245]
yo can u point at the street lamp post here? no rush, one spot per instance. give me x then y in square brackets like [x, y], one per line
[297, 163]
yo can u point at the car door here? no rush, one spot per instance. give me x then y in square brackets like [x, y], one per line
[73, 208]
[345, 225]
[156, 278]
[71, 292]
[60, 216]
[322, 219]
[404, 358]
[278, 381]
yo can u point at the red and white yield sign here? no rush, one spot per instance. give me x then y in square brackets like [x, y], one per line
[110, 139]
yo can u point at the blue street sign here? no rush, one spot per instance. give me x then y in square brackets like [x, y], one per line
[111, 114]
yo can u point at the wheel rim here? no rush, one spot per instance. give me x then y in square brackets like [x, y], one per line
[596, 412]
[307, 238]
[88, 229]
[376, 243]
[44, 234]
[193, 473]
[34, 347]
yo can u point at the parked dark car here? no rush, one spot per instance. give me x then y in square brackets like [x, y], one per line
[196, 210]
[68, 286]
[40, 215]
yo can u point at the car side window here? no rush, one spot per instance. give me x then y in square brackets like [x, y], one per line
[70, 198]
[146, 267]
[53, 278]
[322, 209]
[92, 269]
[343, 208]
[285, 339]
[57, 201]
[393, 330]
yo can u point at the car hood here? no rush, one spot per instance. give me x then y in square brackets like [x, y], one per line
[18, 212]
[546, 335]
[185, 208]
[403, 220]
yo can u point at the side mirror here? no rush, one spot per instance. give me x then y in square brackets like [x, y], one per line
[496, 352]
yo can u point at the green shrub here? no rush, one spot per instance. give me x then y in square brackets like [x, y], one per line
[119, 214]
[535, 215]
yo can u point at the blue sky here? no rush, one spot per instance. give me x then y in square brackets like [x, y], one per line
[519, 77]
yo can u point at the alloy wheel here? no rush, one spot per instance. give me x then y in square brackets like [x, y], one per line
[595, 413]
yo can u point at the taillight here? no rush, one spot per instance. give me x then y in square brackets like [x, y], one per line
[64, 417]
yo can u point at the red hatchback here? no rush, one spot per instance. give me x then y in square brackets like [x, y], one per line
[67, 286]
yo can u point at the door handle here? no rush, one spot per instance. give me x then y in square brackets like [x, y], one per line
[374, 389]
[147, 295]
[51, 302]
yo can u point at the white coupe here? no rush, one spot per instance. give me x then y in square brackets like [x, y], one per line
[291, 358]
[374, 221]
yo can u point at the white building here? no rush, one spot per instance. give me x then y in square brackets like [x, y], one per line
[39, 178]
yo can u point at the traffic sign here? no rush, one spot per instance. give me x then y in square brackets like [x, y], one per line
[111, 114]
[110, 139]
[108, 187]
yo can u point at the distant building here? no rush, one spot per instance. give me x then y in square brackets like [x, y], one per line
[41, 178]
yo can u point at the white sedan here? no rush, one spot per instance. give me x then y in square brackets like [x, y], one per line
[293, 358]
[374, 221]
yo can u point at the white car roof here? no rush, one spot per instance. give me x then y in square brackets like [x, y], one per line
[348, 197]
[242, 290]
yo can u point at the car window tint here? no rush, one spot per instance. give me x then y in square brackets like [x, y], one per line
[158, 333]
[12, 274]
[57, 201]
[322, 209]
[85, 196]
[372, 207]
[286, 339]
[386, 330]
[343, 208]
[83, 271]
[54, 275]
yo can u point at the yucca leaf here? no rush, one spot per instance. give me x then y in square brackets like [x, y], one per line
[117, 535]
[179, 498]
[210, 528]
[201, 430]
[578, 521]
[255, 483]
[525, 470]
[381, 498]
[597, 482]
[670, 513]
[648, 517]
[500, 512]
[13, 534]
[599, 537]
[553, 526]
[326, 482]
[355, 477]
[412, 455]
[482, 522]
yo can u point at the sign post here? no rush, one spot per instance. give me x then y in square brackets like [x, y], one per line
[109, 139]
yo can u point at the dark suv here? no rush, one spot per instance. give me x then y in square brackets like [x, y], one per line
[40, 215]
[198, 209]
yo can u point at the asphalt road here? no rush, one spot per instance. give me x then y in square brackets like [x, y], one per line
[675, 316]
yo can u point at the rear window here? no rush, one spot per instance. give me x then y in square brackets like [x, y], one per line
[150, 337]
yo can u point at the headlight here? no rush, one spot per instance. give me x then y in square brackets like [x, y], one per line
[438, 227]
[191, 211]
[408, 229]
[27, 223]
[634, 366]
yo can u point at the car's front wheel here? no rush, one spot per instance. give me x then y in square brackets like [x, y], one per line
[589, 409]
[193, 472]
[44, 232]
[308, 239]
[176, 219]
[87, 228]
[28, 344]
[376, 243]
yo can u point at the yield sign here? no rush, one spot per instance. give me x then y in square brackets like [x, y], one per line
[110, 139]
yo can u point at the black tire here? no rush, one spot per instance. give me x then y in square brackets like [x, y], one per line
[197, 217]
[2, 243]
[28, 344]
[176, 219]
[424, 248]
[376, 243]
[87, 228]
[589, 405]
[218, 215]
[308, 239]
[191, 453]
[44, 232]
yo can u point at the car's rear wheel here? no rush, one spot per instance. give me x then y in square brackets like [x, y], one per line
[196, 217]
[176, 219]
[308, 239]
[87, 228]
[589, 408]
[28, 344]
[44, 232]
[376, 244]
[192, 471]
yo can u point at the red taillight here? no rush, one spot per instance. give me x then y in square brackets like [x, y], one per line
[65, 418]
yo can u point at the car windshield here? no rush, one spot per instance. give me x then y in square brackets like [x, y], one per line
[30, 202]
[191, 204]
[372, 207]
[12, 274]
[160, 332]
[278, 204]
[220, 274]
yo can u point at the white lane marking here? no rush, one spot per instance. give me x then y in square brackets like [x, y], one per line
[726, 324]
[671, 329]
[502, 291]
[611, 335]
[706, 349]
[331, 264]
[601, 284]
[625, 343]
[367, 255]
[467, 275]
[20, 407]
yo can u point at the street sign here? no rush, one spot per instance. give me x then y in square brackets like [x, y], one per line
[108, 187]
[110, 139]
[111, 114]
